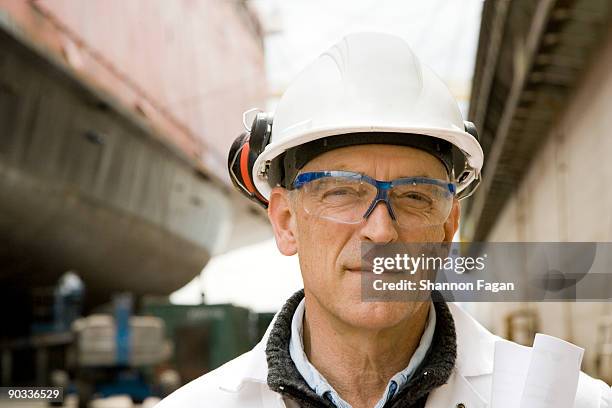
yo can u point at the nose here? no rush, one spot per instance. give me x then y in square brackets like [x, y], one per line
[379, 227]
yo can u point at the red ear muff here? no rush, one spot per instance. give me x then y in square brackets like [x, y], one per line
[244, 168]
[243, 153]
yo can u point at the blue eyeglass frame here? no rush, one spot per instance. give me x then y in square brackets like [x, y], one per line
[382, 187]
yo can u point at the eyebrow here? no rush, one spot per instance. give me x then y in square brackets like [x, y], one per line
[423, 175]
[343, 167]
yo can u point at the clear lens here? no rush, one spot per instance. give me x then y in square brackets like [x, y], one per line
[338, 198]
[347, 199]
[420, 204]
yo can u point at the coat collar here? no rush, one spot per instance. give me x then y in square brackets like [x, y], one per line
[475, 350]
[475, 347]
[475, 344]
[253, 367]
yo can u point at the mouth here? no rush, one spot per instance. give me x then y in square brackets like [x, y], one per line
[365, 264]
[357, 270]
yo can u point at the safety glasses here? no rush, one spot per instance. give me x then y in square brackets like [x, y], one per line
[349, 197]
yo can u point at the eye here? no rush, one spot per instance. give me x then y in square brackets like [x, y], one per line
[414, 199]
[414, 195]
[341, 191]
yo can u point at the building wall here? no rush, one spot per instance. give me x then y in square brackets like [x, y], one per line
[566, 196]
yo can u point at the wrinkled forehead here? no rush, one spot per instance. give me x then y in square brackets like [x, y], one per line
[380, 160]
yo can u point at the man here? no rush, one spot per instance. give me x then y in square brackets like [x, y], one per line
[367, 145]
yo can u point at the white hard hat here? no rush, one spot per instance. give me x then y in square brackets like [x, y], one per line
[368, 82]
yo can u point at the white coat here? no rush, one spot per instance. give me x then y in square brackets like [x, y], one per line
[242, 381]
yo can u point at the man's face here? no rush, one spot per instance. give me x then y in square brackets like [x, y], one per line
[330, 252]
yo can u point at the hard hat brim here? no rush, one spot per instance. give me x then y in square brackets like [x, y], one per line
[460, 139]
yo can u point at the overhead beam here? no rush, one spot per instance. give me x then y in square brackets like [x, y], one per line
[523, 60]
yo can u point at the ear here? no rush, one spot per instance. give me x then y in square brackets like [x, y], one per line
[452, 222]
[282, 218]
